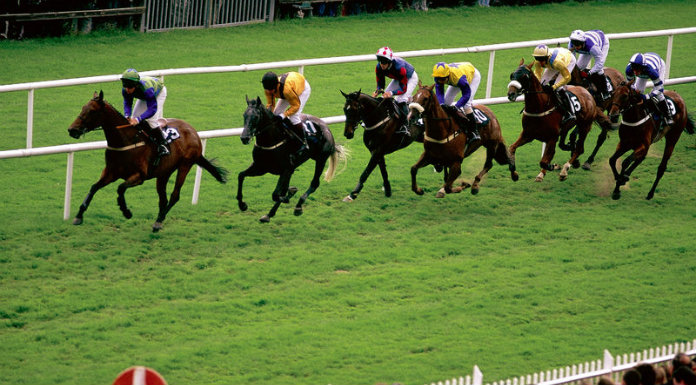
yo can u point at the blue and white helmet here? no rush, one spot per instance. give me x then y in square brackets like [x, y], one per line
[577, 37]
[637, 60]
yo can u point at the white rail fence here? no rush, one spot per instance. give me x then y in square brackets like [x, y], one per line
[70, 149]
[609, 365]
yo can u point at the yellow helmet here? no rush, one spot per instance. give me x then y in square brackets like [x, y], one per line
[441, 70]
[541, 52]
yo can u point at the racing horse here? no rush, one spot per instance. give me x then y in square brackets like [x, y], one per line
[379, 118]
[274, 149]
[445, 142]
[615, 78]
[639, 129]
[130, 157]
[541, 120]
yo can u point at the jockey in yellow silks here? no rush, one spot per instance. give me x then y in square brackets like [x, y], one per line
[460, 77]
[553, 67]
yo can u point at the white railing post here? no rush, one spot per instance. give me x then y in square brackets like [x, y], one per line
[489, 78]
[199, 172]
[608, 360]
[30, 118]
[478, 376]
[301, 70]
[668, 59]
[68, 186]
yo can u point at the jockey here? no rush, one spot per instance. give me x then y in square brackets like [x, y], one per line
[292, 91]
[405, 78]
[461, 77]
[588, 45]
[554, 66]
[650, 66]
[151, 94]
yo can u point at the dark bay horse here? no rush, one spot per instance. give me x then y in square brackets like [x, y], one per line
[445, 142]
[541, 120]
[638, 130]
[615, 77]
[272, 154]
[129, 156]
[380, 135]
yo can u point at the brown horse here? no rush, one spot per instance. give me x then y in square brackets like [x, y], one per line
[541, 120]
[130, 156]
[380, 136]
[445, 142]
[639, 129]
[615, 78]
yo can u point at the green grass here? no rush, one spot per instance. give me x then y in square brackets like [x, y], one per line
[520, 278]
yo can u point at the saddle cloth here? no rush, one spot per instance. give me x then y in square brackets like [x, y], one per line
[169, 133]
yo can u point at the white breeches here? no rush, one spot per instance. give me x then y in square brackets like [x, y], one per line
[550, 75]
[283, 105]
[407, 96]
[452, 93]
[141, 106]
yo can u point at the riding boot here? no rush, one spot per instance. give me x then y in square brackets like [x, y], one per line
[666, 114]
[158, 139]
[472, 129]
[403, 127]
[603, 84]
[566, 108]
[298, 130]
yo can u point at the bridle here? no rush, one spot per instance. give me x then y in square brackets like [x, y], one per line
[361, 114]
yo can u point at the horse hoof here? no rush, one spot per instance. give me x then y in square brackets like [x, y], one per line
[387, 193]
[77, 221]
[474, 190]
[418, 191]
[539, 179]
[562, 177]
[243, 206]
[298, 211]
[616, 195]
[576, 163]
[587, 166]
[348, 199]
[292, 190]
[157, 227]
[650, 196]
[515, 176]
[265, 219]
[556, 166]
[440, 194]
[465, 185]
[128, 214]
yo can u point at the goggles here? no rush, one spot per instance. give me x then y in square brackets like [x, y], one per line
[383, 60]
[577, 43]
[541, 58]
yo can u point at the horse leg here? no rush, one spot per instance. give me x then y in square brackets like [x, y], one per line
[454, 171]
[502, 156]
[318, 168]
[371, 164]
[176, 193]
[280, 194]
[105, 179]
[669, 148]
[252, 170]
[132, 181]
[600, 140]
[578, 148]
[545, 162]
[486, 167]
[521, 141]
[618, 177]
[422, 162]
[385, 177]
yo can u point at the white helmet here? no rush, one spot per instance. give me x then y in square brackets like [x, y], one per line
[577, 37]
[385, 54]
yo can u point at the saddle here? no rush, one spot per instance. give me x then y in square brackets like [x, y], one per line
[481, 118]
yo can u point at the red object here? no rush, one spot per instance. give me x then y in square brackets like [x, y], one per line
[139, 375]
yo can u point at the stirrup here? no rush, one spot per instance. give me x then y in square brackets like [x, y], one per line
[162, 150]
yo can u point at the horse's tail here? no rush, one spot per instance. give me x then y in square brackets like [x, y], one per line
[690, 124]
[340, 155]
[220, 173]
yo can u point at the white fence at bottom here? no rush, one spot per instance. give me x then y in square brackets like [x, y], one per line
[71, 149]
[611, 366]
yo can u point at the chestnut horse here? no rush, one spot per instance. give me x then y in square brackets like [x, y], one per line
[639, 129]
[380, 137]
[615, 77]
[541, 120]
[445, 142]
[130, 156]
[273, 151]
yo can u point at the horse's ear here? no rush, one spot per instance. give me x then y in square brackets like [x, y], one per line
[522, 61]
[344, 94]
[258, 100]
[420, 84]
[101, 96]
[247, 99]
[359, 90]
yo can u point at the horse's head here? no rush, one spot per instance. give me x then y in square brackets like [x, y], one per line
[352, 109]
[254, 116]
[423, 100]
[520, 81]
[623, 98]
[90, 117]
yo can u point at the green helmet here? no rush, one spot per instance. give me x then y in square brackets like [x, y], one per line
[130, 78]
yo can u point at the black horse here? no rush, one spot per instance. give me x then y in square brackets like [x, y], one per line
[381, 137]
[274, 148]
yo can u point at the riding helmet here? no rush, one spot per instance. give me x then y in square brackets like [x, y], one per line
[577, 37]
[130, 78]
[269, 80]
[385, 55]
[541, 52]
[637, 60]
[441, 70]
